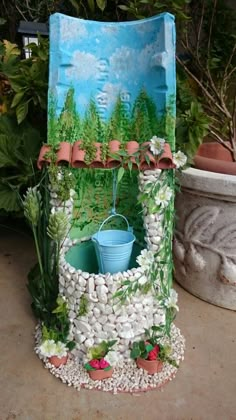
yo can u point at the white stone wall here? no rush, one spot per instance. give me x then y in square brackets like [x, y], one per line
[152, 222]
[106, 319]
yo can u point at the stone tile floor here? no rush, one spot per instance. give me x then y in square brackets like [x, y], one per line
[204, 388]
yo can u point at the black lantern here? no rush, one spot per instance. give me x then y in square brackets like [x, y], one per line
[30, 31]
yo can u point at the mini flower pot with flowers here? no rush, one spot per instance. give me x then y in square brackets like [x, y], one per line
[149, 355]
[54, 343]
[98, 367]
[56, 352]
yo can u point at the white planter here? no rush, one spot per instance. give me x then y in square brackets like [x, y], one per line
[205, 239]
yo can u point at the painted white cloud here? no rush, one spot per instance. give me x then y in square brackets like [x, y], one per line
[124, 59]
[127, 59]
[84, 66]
[72, 29]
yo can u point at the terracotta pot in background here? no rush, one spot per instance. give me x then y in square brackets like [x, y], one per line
[97, 162]
[100, 374]
[41, 159]
[131, 148]
[214, 157]
[58, 361]
[143, 163]
[78, 155]
[114, 147]
[151, 366]
[64, 153]
[166, 160]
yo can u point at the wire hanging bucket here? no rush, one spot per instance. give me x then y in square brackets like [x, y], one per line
[113, 247]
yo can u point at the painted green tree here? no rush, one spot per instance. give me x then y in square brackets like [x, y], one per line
[140, 124]
[69, 123]
[119, 123]
[144, 118]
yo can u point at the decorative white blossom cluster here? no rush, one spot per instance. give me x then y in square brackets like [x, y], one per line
[49, 348]
[179, 159]
[157, 145]
[163, 196]
[145, 260]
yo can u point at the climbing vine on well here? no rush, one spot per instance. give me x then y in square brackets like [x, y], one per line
[155, 272]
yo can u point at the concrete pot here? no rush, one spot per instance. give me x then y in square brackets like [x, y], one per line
[205, 237]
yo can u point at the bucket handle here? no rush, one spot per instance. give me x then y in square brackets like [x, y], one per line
[129, 228]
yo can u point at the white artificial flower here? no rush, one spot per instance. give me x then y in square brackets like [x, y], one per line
[112, 358]
[61, 349]
[145, 259]
[171, 301]
[142, 280]
[163, 196]
[48, 348]
[157, 145]
[179, 159]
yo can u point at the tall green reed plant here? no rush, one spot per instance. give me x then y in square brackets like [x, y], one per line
[49, 230]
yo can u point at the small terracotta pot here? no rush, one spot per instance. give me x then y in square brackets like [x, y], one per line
[58, 361]
[131, 148]
[213, 157]
[146, 152]
[100, 374]
[151, 366]
[78, 155]
[114, 147]
[41, 159]
[97, 162]
[64, 153]
[166, 160]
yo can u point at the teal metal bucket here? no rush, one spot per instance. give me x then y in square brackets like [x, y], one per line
[113, 248]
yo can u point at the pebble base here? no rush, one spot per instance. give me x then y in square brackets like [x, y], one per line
[126, 377]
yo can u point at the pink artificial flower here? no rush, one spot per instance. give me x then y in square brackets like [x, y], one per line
[94, 363]
[103, 364]
[152, 355]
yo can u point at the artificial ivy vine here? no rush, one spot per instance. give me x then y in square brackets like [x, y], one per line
[157, 274]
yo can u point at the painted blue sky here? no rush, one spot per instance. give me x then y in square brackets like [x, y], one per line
[103, 60]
